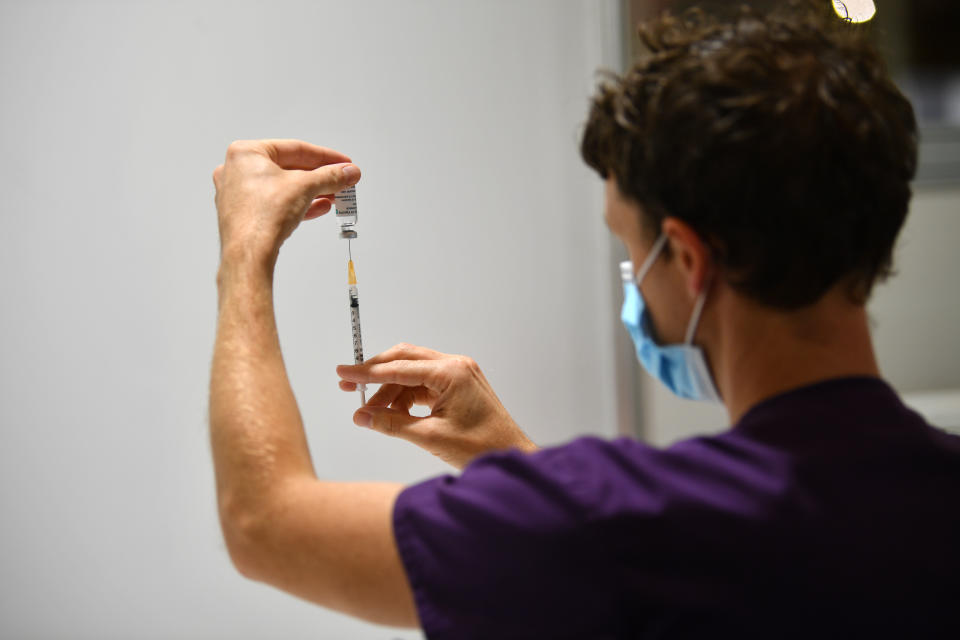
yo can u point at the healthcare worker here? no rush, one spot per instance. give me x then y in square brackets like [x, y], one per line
[757, 170]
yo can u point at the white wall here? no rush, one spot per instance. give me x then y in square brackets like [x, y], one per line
[480, 232]
[916, 314]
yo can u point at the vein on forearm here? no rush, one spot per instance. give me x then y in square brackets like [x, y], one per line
[256, 430]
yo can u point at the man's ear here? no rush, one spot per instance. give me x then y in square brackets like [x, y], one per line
[690, 254]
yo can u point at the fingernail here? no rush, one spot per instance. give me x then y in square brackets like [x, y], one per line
[362, 418]
[351, 174]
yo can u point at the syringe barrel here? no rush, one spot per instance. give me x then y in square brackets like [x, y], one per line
[355, 324]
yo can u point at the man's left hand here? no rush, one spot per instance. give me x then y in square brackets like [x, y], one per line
[265, 188]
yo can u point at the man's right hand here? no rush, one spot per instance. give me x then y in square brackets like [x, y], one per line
[466, 417]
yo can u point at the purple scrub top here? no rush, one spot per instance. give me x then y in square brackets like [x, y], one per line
[828, 511]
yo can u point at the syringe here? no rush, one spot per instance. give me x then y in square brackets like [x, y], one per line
[346, 204]
[355, 322]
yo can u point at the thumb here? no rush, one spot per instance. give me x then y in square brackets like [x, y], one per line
[391, 422]
[331, 178]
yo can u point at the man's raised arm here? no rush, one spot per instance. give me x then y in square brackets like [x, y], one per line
[330, 543]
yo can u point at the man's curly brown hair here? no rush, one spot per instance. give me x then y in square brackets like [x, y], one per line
[779, 137]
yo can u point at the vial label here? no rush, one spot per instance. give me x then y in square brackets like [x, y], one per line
[346, 203]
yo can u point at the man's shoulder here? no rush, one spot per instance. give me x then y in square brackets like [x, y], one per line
[624, 474]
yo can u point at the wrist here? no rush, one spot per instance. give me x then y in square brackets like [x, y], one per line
[244, 263]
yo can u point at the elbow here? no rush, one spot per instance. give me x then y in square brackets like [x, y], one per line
[243, 534]
[242, 558]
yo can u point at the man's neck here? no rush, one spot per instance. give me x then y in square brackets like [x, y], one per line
[760, 352]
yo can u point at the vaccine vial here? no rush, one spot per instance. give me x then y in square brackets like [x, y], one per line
[346, 203]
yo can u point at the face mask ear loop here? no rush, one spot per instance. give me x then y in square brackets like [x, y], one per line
[697, 310]
[651, 258]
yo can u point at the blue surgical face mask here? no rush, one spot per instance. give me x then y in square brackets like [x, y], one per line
[681, 367]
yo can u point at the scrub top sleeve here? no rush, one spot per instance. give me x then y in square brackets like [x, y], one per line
[505, 550]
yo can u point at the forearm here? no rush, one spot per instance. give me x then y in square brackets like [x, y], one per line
[256, 431]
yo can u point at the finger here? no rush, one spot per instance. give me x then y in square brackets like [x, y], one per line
[424, 397]
[402, 351]
[391, 422]
[297, 154]
[318, 208]
[385, 395]
[409, 373]
[404, 400]
[330, 178]
[348, 386]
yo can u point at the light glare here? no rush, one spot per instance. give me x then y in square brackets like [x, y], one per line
[855, 10]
